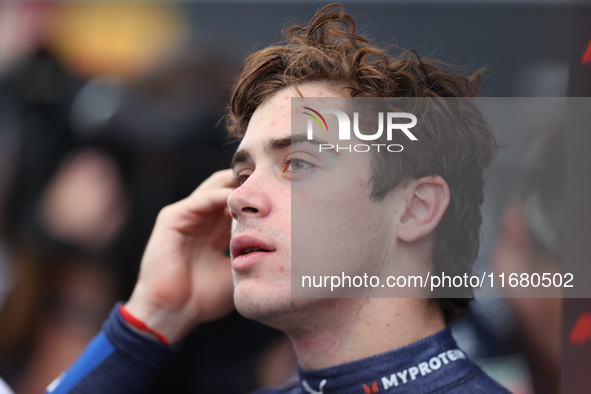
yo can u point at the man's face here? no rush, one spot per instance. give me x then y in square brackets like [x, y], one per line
[294, 201]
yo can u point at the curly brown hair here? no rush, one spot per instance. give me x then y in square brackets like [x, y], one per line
[329, 50]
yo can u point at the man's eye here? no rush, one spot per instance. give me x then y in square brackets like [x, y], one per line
[297, 165]
[240, 179]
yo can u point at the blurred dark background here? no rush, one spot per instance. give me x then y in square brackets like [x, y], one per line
[110, 111]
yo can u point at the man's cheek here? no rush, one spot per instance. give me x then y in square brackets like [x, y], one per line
[346, 201]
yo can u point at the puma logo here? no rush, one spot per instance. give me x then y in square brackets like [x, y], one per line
[311, 390]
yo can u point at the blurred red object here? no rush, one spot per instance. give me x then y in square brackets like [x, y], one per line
[581, 332]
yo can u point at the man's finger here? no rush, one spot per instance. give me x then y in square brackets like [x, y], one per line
[191, 211]
[207, 200]
[223, 178]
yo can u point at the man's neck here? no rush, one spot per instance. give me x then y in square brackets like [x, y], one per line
[352, 329]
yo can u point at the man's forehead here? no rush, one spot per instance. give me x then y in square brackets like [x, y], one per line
[272, 119]
[260, 131]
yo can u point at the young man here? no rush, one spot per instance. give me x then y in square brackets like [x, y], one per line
[416, 211]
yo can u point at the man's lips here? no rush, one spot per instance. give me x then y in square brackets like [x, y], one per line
[247, 250]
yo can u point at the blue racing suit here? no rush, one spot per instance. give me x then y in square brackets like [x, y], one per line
[121, 361]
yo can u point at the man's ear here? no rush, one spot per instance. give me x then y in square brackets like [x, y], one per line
[426, 201]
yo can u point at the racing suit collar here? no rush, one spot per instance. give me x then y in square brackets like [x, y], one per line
[433, 363]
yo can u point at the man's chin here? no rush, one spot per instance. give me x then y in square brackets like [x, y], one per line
[272, 308]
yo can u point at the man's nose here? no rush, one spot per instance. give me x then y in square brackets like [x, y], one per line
[251, 200]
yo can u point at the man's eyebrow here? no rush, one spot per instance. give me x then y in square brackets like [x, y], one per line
[240, 156]
[277, 144]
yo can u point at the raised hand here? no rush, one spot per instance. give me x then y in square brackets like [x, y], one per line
[185, 276]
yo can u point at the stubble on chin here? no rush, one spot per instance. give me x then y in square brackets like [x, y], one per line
[268, 309]
[294, 317]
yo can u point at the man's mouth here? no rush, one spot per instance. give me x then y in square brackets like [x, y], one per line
[242, 245]
[250, 250]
